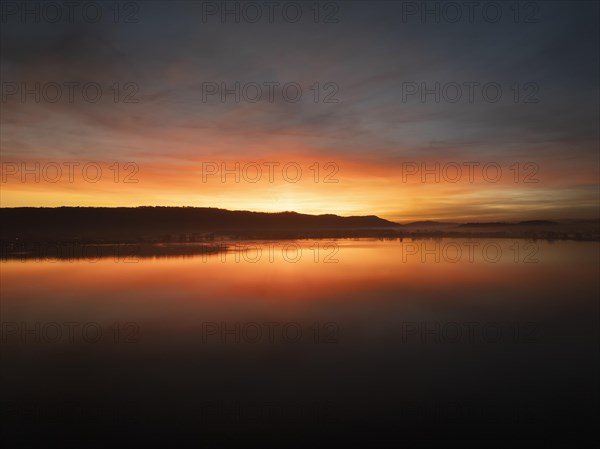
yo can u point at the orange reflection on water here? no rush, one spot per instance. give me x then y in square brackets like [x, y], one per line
[302, 272]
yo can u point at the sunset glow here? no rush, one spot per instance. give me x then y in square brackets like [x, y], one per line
[370, 120]
[299, 224]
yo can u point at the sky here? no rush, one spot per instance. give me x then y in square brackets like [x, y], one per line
[354, 108]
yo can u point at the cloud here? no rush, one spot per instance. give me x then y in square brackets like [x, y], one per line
[369, 56]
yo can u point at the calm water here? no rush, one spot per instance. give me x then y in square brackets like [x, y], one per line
[282, 340]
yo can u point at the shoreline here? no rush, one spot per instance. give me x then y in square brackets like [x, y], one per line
[75, 250]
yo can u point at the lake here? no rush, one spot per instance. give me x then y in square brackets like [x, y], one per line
[270, 341]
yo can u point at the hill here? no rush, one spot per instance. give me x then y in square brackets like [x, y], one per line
[167, 223]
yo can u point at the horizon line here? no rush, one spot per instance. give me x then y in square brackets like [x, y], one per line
[424, 220]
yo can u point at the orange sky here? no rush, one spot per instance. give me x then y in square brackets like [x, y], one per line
[354, 186]
[370, 132]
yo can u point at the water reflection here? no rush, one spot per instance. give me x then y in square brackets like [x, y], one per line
[347, 334]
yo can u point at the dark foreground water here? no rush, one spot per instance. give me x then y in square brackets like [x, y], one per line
[312, 343]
